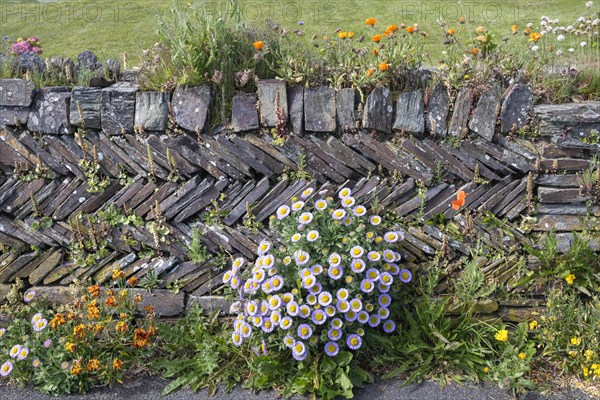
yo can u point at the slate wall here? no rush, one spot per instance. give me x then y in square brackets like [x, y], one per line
[411, 151]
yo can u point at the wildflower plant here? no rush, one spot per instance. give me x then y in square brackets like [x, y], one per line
[92, 340]
[333, 281]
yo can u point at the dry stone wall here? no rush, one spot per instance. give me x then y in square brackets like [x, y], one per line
[152, 155]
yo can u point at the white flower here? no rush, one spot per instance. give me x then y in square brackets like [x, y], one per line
[560, 38]
[583, 44]
[559, 52]
[535, 48]
[297, 206]
[589, 4]
[571, 50]
[283, 212]
[530, 25]
[570, 28]
[581, 19]
[543, 23]
[312, 236]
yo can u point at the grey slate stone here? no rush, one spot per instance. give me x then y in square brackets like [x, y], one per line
[11, 116]
[244, 115]
[190, 107]
[462, 108]
[319, 109]
[114, 69]
[30, 62]
[578, 118]
[410, 113]
[295, 97]
[515, 108]
[60, 65]
[378, 111]
[483, 121]
[88, 60]
[90, 102]
[346, 103]
[16, 92]
[267, 91]
[152, 110]
[118, 108]
[50, 111]
[437, 111]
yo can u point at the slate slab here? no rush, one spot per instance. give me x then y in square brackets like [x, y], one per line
[516, 108]
[118, 108]
[87, 60]
[16, 92]
[462, 109]
[319, 109]
[410, 115]
[267, 93]
[14, 116]
[295, 96]
[190, 107]
[483, 121]
[244, 115]
[378, 111]
[152, 110]
[346, 103]
[90, 104]
[578, 118]
[437, 111]
[50, 111]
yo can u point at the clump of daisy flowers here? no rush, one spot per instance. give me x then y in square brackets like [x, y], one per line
[334, 280]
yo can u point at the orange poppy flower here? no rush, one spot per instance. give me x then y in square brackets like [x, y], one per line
[258, 45]
[534, 37]
[384, 66]
[462, 20]
[460, 200]
[515, 29]
[377, 38]
[375, 52]
[392, 28]
[474, 51]
[411, 29]
[370, 72]
[371, 21]
[350, 35]
[451, 32]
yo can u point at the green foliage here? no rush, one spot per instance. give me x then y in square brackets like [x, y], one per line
[197, 251]
[198, 353]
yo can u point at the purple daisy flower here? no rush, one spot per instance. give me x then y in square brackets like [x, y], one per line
[405, 276]
[374, 320]
[304, 331]
[288, 341]
[386, 278]
[356, 305]
[389, 326]
[394, 269]
[354, 341]
[316, 289]
[334, 334]
[335, 259]
[358, 265]
[383, 288]
[319, 317]
[373, 274]
[335, 273]
[267, 325]
[236, 338]
[6, 368]
[304, 311]
[383, 312]
[351, 316]
[342, 306]
[299, 351]
[292, 308]
[330, 310]
[331, 348]
[384, 300]
[367, 285]
[336, 323]
[338, 214]
[325, 298]
[363, 317]
[390, 237]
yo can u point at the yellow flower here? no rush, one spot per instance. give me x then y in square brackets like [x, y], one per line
[573, 353]
[502, 335]
[586, 372]
[515, 29]
[570, 279]
[481, 38]
[258, 45]
[575, 341]
[117, 274]
[522, 356]
[117, 364]
[533, 325]
[342, 35]
[93, 365]
[534, 37]
[589, 354]
[76, 368]
[70, 346]
[371, 21]
[350, 35]
[480, 29]
[486, 370]
[121, 327]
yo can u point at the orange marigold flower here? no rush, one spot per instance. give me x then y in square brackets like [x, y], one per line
[132, 281]
[76, 368]
[57, 321]
[94, 290]
[79, 331]
[411, 29]
[375, 52]
[121, 327]
[152, 331]
[117, 364]
[137, 298]
[93, 365]
[451, 32]
[377, 38]
[370, 72]
[342, 35]
[384, 66]
[70, 346]
[111, 301]
[515, 29]
[258, 45]
[371, 21]
[534, 37]
[474, 51]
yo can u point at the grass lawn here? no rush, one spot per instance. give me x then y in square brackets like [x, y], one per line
[109, 27]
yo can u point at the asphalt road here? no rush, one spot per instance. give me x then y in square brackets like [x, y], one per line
[149, 388]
